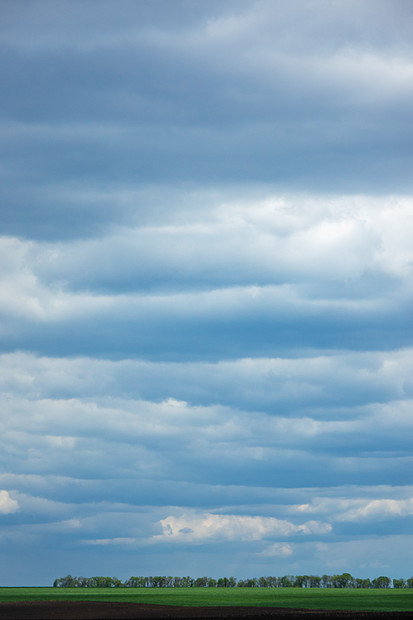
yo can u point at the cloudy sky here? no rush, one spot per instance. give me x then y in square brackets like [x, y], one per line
[206, 288]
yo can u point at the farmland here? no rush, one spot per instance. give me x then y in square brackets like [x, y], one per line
[308, 598]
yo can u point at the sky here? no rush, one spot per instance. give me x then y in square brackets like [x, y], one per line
[206, 289]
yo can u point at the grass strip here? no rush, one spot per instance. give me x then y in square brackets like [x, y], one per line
[312, 598]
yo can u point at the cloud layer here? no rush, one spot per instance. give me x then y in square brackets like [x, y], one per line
[205, 288]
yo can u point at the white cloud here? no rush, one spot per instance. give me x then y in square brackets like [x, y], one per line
[324, 378]
[269, 257]
[111, 541]
[359, 76]
[195, 527]
[358, 509]
[8, 505]
[278, 550]
[379, 509]
[59, 415]
[268, 239]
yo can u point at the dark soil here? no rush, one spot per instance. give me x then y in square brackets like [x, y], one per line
[79, 610]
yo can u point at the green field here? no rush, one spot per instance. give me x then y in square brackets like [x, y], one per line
[315, 598]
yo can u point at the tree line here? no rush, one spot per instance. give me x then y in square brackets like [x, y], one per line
[345, 580]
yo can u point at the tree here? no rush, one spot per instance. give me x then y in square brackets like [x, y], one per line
[345, 580]
[272, 582]
[201, 582]
[65, 582]
[247, 583]
[187, 582]
[156, 582]
[381, 582]
[116, 583]
[362, 583]
[223, 582]
[302, 581]
[314, 581]
[342, 581]
[286, 582]
[326, 581]
[136, 582]
[103, 582]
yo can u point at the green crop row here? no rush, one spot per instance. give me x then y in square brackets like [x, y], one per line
[308, 598]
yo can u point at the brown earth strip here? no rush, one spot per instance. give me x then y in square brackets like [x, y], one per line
[79, 610]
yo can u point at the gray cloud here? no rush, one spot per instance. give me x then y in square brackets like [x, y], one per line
[287, 272]
[254, 92]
